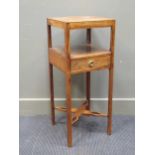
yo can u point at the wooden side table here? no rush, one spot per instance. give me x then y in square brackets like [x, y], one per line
[74, 61]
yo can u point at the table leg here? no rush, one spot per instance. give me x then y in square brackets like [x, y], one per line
[88, 89]
[69, 113]
[88, 74]
[109, 127]
[52, 93]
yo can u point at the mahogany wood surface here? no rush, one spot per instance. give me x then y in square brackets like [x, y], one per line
[82, 59]
[81, 22]
[79, 59]
[88, 75]
[84, 112]
[51, 77]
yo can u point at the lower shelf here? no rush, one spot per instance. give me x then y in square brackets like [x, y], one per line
[77, 112]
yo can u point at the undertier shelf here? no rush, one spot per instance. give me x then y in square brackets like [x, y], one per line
[82, 110]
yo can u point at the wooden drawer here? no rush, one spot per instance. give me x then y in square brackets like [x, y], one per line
[90, 63]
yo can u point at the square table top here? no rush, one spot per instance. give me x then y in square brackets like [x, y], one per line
[80, 21]
[73, 19]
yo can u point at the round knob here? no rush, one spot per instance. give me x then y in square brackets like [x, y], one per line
[91, 63]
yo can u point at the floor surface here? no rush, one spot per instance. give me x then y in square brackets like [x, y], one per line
[39, 137]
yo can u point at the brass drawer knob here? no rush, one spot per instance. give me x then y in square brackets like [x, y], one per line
[91, 63]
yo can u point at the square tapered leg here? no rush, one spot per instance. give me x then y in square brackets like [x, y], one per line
[52, 93]
[109, 127]
[69, 113]
[88, 89]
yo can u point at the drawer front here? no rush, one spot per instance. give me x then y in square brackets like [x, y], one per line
[90, 64]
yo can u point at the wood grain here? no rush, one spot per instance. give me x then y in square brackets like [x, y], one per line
[82, 59]
[56, 23]
[111, 74]
[68, 87]
[82, 65]
[79, 112]
[57, 59]
[51, 76]
[88, 74]
[80, 22]
[84, 112]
